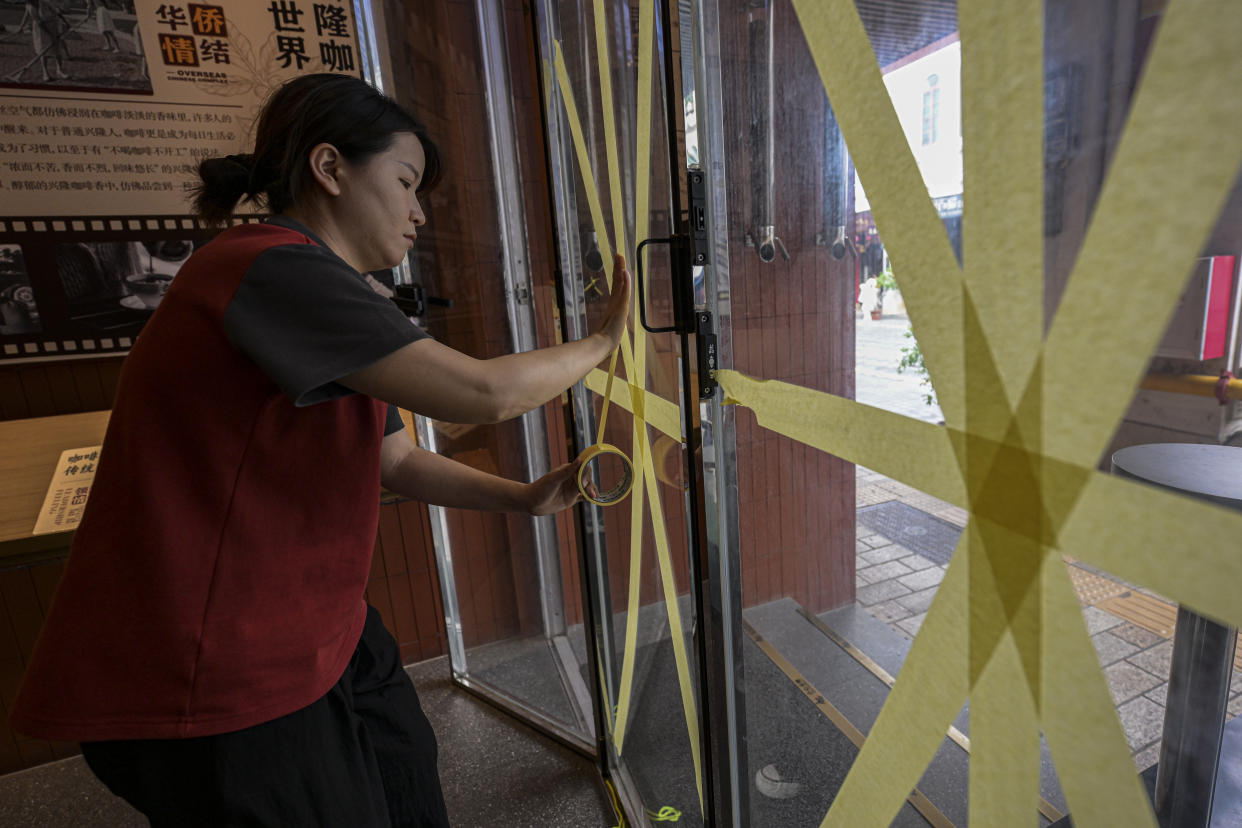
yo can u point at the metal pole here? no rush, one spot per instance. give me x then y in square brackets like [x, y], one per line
[1195, 706]
[1194, 721]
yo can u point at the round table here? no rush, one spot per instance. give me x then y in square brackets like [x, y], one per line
[1194, 715]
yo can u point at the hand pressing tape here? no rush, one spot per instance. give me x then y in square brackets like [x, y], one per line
[618, 492]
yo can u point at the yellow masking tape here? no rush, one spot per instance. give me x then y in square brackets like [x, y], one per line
[675, 630]
[1021, 413]
[588, 181]
[1004, 729]
[584, 159]
[915, 452]
[1002, 75]
[658, 412]
[602, 47]
[1134, 531]
[930, 689]
[1080, 721]
[904, 214]
[597, 216]
[1004, 634]
[642, 177]
[666, 814]
[622, 488]
[603, 414]
[633, 602]
[642, 450]
[1022, 611]
[635, 364]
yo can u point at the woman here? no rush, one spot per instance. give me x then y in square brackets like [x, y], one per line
[209, 643]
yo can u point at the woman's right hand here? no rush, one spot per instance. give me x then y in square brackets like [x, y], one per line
[618, 311]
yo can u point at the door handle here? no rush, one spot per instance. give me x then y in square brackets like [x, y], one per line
[674, 242]
[686, 319]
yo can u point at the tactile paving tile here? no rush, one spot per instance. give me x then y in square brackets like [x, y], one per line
[1093, 588]
[1152, 614]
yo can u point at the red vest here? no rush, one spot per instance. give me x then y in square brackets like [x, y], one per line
[216, 580]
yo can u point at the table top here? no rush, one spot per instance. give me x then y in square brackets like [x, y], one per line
[29, 450]
[1207, 471]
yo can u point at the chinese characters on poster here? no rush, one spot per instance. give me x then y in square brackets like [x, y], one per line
[106, 108]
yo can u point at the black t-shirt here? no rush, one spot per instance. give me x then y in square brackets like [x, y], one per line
[307, 318]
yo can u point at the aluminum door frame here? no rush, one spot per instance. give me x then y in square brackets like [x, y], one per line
[377, 70]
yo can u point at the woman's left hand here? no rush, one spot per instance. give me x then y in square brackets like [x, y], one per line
[556, 490]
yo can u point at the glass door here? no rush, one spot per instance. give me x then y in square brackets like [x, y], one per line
[937, 604]
[509, 583]
[881, 575]
[609, 72]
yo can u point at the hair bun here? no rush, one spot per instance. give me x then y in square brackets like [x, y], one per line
[244, 161]
[230, 174]
[223, 181]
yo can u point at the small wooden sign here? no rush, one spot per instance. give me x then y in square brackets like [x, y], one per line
[66, 496]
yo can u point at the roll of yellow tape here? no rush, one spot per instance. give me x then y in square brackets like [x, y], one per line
[618, 492]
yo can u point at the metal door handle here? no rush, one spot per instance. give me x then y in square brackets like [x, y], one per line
[642, 295]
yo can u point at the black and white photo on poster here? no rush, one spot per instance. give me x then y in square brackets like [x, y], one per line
[112, 286]
[19, 313]
[93, 45]
[106, 109]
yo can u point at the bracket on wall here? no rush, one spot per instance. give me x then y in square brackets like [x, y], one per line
[413, 300]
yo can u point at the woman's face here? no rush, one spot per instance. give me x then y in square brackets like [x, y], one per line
[378, 207]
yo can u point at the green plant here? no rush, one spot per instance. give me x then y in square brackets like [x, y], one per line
[884, 279]
[912, 359]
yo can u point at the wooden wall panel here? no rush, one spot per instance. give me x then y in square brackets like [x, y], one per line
[25, 593]
[792, 321]
[42, 389]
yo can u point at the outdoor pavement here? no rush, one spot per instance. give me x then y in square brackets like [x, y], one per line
[1132, 628]
[877, 353]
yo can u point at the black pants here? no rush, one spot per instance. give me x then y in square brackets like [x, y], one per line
[363, 755]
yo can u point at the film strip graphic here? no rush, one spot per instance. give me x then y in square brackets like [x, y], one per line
[74, 287]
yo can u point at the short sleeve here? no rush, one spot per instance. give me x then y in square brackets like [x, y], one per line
[394, 422]
[307, 318]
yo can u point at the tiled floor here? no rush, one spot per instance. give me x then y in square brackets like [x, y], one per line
[897, 587]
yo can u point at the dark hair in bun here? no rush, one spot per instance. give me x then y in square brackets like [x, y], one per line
[309, 110]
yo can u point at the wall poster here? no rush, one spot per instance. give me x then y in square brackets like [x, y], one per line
[106, 107]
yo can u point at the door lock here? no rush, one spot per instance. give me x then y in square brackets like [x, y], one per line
[686, 320]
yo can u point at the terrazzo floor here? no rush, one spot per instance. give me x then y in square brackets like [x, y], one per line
[494, 771]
